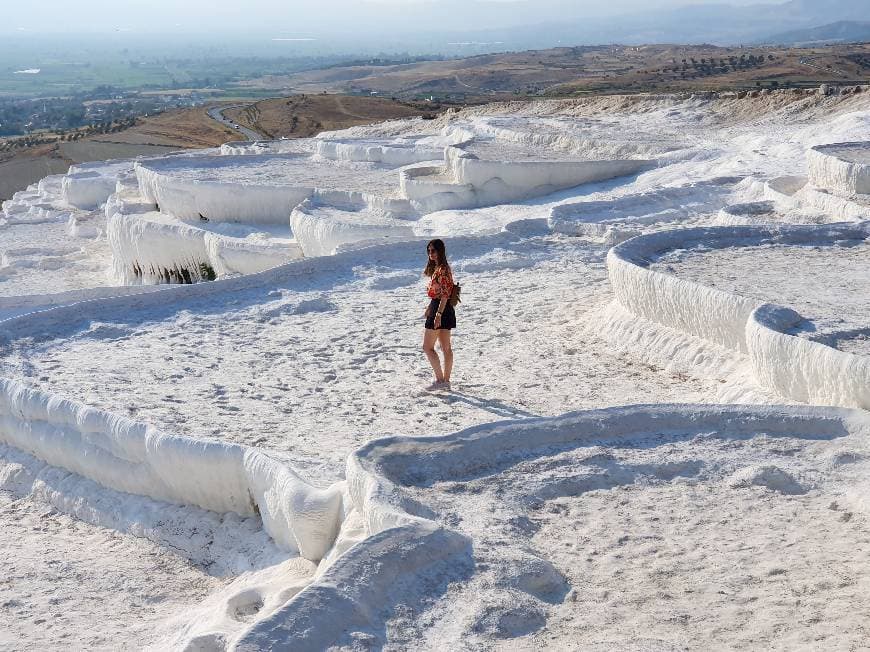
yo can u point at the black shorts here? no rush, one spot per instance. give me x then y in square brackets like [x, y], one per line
[448, 317]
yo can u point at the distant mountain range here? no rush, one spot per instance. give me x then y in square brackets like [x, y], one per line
[843, 31]
[462, 28]
[720, 24]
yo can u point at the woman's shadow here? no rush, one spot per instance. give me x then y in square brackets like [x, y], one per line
[490, 405]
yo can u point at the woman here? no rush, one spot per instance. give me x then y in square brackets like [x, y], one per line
[440, 316]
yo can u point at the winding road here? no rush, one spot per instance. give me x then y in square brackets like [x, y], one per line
[217, 113]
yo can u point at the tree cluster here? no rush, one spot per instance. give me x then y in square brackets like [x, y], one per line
[692, 68]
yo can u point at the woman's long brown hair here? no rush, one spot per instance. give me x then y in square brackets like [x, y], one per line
[438, 245]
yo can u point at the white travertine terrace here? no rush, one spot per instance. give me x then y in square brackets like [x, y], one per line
[401, 544]
[717, 316]
[250, 183]
[386, 151]
[784, 187]
[303, 197]
[466, 181]
[255, 188]
[283, 146]
[153, 247]
[133, 457]
[87, 190]
[843, 168]
[39, 202]
[259, 213]
[834, 207]
[801, 369]
[622, 218]
[795, 192]
[794, 367]
[588, 139]
[251, 188]
[87, 186]
[838, 185]
[760, 212]
[330, 219]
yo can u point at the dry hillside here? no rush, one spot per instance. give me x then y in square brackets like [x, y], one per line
[181, 128]
[176, 129]
[300, 116]
[610, 69]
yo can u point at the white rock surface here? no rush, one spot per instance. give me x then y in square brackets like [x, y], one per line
[760, 212]
[132, 457]
[579, 538]
[843, 168]
[329, 220]
[622, 218]
[283, 146]
[795, 367]
[387, 151]
[249, 188]
[467, 181]
[153, 248]
[547, 531]
[802, 369]
[87, 190]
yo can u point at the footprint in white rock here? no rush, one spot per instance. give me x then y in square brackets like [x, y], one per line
[245, 605]
[537, 577]
[843, 457]
[213, 642]
[771, 477]
[392, 281]
[514, 617]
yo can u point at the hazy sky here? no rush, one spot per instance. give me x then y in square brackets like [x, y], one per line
[310, 18]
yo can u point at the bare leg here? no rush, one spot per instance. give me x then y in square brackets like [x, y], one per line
[429, 339]
[447, 350]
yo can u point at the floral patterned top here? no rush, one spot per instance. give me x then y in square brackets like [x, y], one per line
[441, 283]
